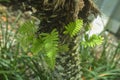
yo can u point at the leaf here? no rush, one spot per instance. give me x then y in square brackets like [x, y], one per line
[26, 34]
[47, 43]
[27, 28]
[50, 46]
[92, 41]
[73, 27]
[51, 59]
[37, 46]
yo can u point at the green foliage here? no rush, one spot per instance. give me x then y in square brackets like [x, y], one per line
[15, 64]
[101, 63]
[73, 27]
[4, 0]
[92, 41]
[50, 42]
[35, 67]
[26, 34]
[46, 43]
[9, 51]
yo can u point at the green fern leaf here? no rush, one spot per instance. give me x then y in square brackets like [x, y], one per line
[26, 34]
[51, 46]
[37, 46]
[73, 27]
[27, 28]
[46, 43]
[92, 41]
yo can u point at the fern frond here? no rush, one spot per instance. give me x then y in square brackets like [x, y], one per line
[27, 28]
[26, 34]
[73, 27]
[92, 41]
[37, 46]
[46, 43]
[51, 46]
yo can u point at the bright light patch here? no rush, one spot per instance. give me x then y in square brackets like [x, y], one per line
[97, 26]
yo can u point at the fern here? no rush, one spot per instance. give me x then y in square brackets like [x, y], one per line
[73, 27]
[27, 28]
[92, 41]
[50, 42]
[37, 46]
[46, 43]
[26, 34]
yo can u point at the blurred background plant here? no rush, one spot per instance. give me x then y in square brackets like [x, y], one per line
[101, 62]
[9, 49]
[4, 0]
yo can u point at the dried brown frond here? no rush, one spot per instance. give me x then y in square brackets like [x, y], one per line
[89, 8]
[58, 13]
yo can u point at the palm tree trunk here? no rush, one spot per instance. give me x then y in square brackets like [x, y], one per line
[70, 61]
